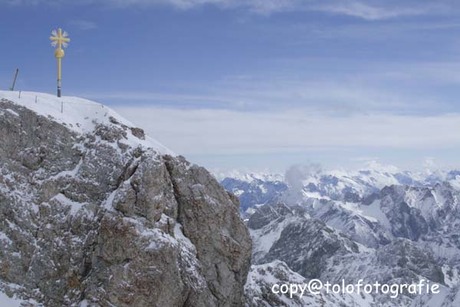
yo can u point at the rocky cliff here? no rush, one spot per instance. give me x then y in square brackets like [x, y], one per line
[94, 213]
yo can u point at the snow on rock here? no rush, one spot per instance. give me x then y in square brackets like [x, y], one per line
[80, 115]
[5, 300]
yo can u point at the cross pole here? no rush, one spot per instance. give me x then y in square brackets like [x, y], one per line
[59, 40]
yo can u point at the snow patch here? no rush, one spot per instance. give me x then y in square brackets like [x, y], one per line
[78, 114]
[74, 206]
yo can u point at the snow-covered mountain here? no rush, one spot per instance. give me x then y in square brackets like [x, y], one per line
[95, 213]
[380, 224]
[254, 191]
[301, 182]
[315, 248]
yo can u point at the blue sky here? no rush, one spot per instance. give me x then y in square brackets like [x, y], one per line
[257, 84]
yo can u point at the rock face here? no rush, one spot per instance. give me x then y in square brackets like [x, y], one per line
[291, 236]
[95, 219]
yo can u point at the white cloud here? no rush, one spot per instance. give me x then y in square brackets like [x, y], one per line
[362, 93]
[231, 132]
[165, 98]
[368, 10]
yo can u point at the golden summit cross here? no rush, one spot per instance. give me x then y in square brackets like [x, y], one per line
[59, 40]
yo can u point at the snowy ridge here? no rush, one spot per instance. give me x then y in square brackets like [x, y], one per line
[78, 114]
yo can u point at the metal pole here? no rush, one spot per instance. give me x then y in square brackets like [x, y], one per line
[14, 79]
[59, 84]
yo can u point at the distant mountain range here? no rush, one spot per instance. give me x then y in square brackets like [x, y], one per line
[300, 182]
[379, 224]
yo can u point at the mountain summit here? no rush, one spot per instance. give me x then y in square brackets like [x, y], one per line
[95, 213]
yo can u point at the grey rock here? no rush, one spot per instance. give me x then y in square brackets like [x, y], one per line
[268, 214]
[303, 243]
[88, 218]
[221, 223]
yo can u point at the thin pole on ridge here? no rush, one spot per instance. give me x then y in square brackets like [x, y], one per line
[14, 79]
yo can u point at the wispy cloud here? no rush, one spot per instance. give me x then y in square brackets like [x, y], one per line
[214, 101]
[368, 10]
[381, 89]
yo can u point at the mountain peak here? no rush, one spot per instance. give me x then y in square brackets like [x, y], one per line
[82, 116]
[100, 216]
